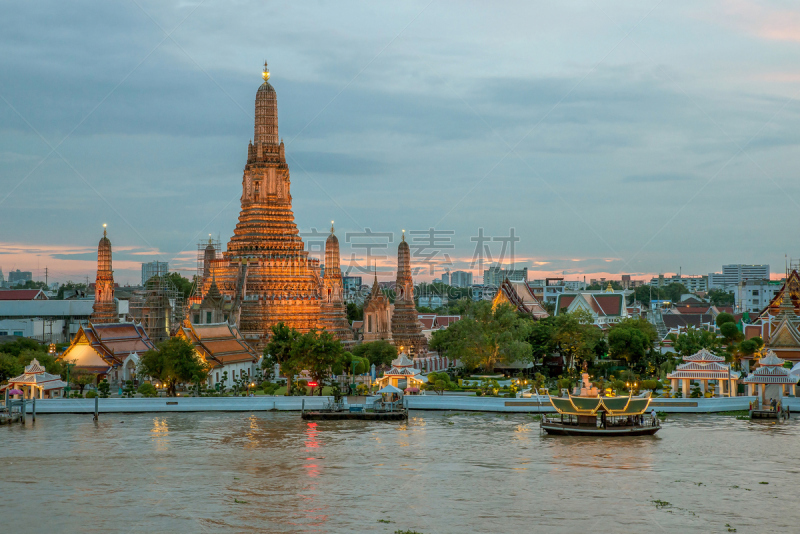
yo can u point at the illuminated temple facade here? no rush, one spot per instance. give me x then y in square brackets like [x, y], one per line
[266, 272]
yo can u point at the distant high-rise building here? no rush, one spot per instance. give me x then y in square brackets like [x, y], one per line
[460, 279]
[733, 275]
[446, 279]
[18, 278]
[495, 275]
[154, 268]
[694, 284]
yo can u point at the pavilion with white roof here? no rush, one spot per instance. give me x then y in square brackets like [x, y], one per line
[402, 375]
[771, 377]
[35, 382]
[704, 366]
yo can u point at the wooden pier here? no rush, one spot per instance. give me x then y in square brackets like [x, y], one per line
[14, 410]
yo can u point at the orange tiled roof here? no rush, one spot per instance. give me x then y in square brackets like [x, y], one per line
[219, 344]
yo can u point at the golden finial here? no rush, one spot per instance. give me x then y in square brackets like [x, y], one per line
[331, 226]
[404, 235]
[104, 229]
[265, 72]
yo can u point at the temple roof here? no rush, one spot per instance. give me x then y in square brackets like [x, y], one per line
[703, 355]
[112, 342]
[519, 295]
[771, 359]
[771, 371]
[703, 365]
[601, 304]
[402, 361]
[219, 344]
[36, 375]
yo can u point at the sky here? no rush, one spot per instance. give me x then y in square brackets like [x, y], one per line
[607, 138]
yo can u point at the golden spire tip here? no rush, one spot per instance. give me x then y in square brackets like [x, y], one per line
[265, 72]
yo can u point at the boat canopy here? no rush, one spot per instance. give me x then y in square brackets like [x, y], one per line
[613, 406]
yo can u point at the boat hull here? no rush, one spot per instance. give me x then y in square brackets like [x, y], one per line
[557, 429]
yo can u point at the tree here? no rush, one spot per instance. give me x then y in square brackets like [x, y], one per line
[693, 340]
[104, 388]
[541, 338]
[32, 284]
[148, 390]
[632, 339]
[730, 332]
[354, 312]
[82, 378]
[438, 382]
[485, 337]
[16, 355]
[674, 291]
[174, 361]
[719, 297]
[279, 350]
[317, 353]
[379, 352]
[723, 318]
[576, 337]
[182, 284]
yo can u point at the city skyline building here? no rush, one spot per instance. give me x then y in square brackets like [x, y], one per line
[154, 268]
[732, 275]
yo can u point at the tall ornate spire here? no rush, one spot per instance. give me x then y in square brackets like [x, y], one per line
[266, 123]
[265, 272]
[333, 312]
[104, 309]
[406, 327]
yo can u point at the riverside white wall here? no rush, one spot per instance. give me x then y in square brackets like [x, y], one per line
[413, 402]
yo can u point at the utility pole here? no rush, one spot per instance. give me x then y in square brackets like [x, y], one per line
[45, 277]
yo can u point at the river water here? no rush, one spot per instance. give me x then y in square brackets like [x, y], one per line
[438, 473]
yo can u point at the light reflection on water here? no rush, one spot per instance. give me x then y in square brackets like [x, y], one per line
[273, 472]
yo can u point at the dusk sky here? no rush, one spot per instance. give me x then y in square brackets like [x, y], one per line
[612, 137]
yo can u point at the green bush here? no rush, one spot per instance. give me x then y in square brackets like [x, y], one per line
[650, 384]
[270, 388]
[91, 394]
[148, 390]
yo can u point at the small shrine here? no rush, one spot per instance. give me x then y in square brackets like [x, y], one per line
[586, 389]
[771, 378]
[402, 375]
[36, 383]
[704, 366]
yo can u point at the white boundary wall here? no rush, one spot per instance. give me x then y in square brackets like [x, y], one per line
[177, 404]
[494, 404]
[413, 402]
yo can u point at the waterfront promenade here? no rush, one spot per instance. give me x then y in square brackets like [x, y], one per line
[414, 402]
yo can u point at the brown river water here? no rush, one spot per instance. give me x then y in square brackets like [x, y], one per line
[438, 473]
